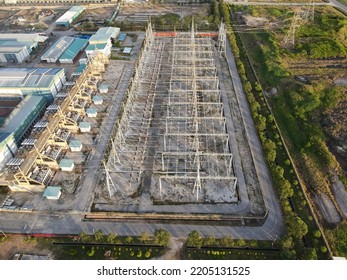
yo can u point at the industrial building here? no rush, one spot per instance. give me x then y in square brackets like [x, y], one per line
[73, 51]
[57, 49]
[17, 124]
[16, 48]
[66, 19]
[41, 154]
[18, 82]
[65, 50]
[23, 116]
[102, 40]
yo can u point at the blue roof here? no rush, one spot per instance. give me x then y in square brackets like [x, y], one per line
[93, 47]
[66, 163]
[74, 49]
[75, 143]
[52, 191]
[84, 125]
[122, 36]
[91, 111]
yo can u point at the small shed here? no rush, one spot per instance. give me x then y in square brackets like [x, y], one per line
[127, 50]
[103, 88]
[121, 37]
[52, 192]
[97, 100]
[66, 165]
[84, 126]
[75, 145]
[91, 112]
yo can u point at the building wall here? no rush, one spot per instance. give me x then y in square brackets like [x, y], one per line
[15, 57]
[8, 148]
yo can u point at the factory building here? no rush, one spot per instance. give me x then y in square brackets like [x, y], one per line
[17, 125]
[73, 51]
[57, 49]
[23, 117]
[16, 48]
[102, 40]
[66, 19]
[19, 82]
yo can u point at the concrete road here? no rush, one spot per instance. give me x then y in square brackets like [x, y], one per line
[265, 3]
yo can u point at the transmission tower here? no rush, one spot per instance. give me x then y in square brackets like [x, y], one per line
[300, 17]
[109, 181]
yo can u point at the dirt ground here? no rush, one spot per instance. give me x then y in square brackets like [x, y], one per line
[97, 13]
[17, 244]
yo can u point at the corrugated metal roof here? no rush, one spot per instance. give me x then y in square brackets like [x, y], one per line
[55, 51]
[52, 191]
[104, 34]
[75, 144]
[84, 125]
[21, 113]
[91, 111]
[93, 47]
[97, 98]
[24, 37]
[66, 163]
[122, 36]
[70, 15]
[71, 52]
[28, 77]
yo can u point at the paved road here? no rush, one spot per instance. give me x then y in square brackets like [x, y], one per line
[339, 5]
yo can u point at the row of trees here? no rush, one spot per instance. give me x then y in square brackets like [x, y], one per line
[160, 237]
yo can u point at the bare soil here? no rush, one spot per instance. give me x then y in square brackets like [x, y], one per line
[17, 244]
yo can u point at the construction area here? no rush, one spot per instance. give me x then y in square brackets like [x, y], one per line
[174, 147]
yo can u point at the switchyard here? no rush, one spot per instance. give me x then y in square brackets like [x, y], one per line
[174, 146]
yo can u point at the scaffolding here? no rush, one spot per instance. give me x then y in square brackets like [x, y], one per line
[172, 127]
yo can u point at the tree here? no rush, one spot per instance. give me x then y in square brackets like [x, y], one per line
[209, 241]
[286, 242]
[111, 238]
[83, 237]
[286, 189]
[194, 239]
[227, 241]
[144, 237]
[296, 227]
[129, 239]
[161, 237]
[98, 235]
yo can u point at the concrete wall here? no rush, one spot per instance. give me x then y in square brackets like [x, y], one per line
[18, 57]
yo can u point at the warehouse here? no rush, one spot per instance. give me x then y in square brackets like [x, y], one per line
[54, 52]
[18, 82]
[102, 40]
[66, 19]
[73, 51]
[13, 52]
[16, 48]
[22, 118]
